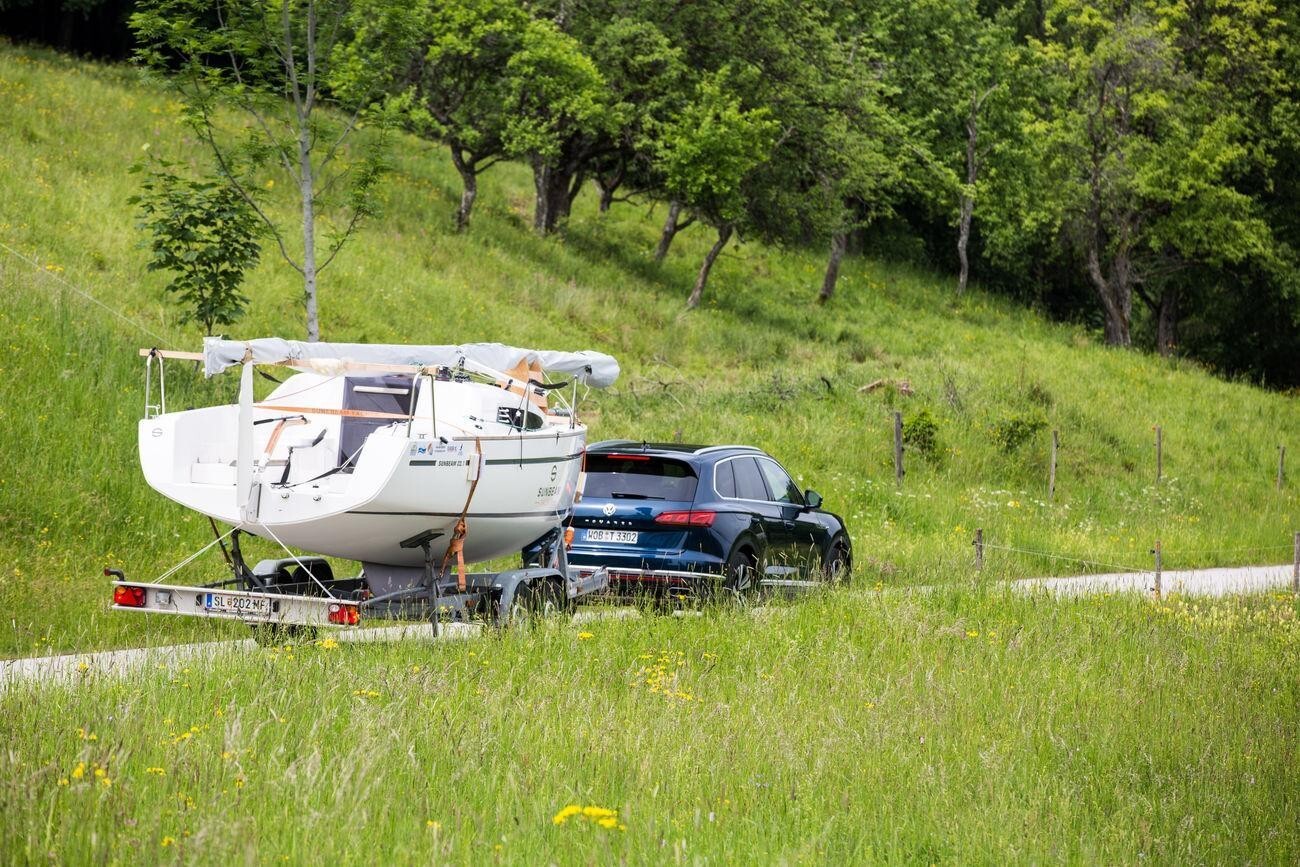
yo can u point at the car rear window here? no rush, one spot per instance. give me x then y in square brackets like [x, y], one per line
[639, 477]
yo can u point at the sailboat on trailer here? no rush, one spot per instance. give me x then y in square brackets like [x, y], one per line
[370, 445]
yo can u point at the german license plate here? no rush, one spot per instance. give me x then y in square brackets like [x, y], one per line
[623, 537]
[227, 604]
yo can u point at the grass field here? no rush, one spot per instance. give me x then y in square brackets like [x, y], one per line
[873, 723]
[759, 364]
[857, 727]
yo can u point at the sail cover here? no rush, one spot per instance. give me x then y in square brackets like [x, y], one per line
[593, 368]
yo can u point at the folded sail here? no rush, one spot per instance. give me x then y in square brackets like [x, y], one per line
[592, 368]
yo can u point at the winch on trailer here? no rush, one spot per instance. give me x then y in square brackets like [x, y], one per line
[293, 595]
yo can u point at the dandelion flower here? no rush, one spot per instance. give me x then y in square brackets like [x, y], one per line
[79, 771]
[585, 636]
[167, 841]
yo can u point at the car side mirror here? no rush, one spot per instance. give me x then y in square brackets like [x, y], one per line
[812, 499]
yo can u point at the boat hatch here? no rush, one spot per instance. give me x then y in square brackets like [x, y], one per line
[390, 395]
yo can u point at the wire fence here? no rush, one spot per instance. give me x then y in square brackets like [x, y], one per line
[1158, 567]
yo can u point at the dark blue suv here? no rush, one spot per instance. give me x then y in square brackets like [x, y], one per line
[671, 519]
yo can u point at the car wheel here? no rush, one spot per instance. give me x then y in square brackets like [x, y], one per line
[838, 564]
[742, 574]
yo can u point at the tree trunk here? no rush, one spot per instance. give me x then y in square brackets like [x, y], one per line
[556, 188]
[1116, 294]
[670, 230]
[469, 188]
[542, 221]
[967, 207]
[839, 243]
[1167, 323]
[963, 238]
[306, 188]
[608, 185]
[724, 235]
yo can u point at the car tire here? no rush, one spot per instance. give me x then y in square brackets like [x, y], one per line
[741, 574]
[837, 565]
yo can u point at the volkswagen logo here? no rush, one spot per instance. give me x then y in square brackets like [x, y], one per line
[608, 509]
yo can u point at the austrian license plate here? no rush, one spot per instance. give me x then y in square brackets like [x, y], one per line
[227, 604]
[623, 537]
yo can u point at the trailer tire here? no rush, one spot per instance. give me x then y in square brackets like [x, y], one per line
[540, 600]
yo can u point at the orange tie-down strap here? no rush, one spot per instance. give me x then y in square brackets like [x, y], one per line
[457, 544]
[347, 413]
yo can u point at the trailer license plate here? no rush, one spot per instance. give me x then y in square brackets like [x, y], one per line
[625, 537]
[236, 604]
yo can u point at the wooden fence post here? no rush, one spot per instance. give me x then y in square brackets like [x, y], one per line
[1051, 473]
[898, 448]
[1295, 566]
[1156, 551]
[1160, 457]
[979, 547]
[1281, 465]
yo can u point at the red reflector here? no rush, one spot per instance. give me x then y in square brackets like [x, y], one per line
[624, 457]
[131, 597]
[689, 519]
[344, 615]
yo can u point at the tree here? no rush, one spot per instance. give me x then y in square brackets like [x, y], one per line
[1139, 157]
[280, 65]
[206, 235]
[706, 154]
[557, 115]
[461, 93]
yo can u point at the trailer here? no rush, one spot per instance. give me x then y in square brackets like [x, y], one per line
[292, 597]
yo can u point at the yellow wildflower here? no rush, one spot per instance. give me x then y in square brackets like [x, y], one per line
[157, 772]
[79, 771]
[167, 841]
[585, 636]
[328, 644]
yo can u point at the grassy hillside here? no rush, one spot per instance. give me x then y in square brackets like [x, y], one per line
[872, 723]
[759, 364]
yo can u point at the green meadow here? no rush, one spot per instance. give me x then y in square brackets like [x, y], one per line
[855, 727]
[877, 722]
[759, 363]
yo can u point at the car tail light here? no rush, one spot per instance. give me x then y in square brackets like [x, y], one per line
[131, 597]
[344, 615]
[621, 457]
[687, 519]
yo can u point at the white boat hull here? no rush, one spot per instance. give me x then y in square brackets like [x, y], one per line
[405, 481]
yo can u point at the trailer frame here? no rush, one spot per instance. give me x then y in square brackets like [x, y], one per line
[258, 597]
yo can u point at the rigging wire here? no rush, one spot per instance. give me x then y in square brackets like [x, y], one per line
[84, 294]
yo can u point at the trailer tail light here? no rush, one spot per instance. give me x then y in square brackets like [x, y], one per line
[130, 597]
[687, 519]
[344, 615]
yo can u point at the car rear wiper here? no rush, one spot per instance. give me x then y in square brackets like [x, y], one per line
[620, 495]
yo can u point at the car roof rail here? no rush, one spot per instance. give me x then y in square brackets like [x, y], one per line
[707, 449]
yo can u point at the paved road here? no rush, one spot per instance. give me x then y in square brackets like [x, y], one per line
[1191, 582]
[1198, 582]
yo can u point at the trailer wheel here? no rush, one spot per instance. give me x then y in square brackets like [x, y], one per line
[278, 634]
[538, 601]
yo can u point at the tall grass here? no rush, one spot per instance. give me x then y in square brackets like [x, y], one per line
[760, 364]
[857, 727]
